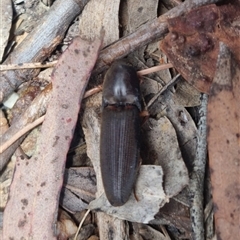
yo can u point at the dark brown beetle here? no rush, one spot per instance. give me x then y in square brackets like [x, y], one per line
[120, 130]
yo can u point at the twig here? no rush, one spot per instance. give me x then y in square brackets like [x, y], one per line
[145, 34]
[26, 66]
[39, 43]
[197, 177]
[169, 84]
[34, 111]
[93, 91]
[81, 223]
[155, 69]
[19, 134]
[208, 209]
[140, 73]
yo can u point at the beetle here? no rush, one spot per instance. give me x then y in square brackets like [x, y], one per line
[120, 132]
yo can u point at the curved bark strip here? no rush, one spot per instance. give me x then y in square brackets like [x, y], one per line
[31, 212]
[224, 145]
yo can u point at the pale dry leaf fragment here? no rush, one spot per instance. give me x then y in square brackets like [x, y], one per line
[147, 232]
[185, 129]
[29, 143]
[150, 194]
[160, 147]
[3, 122]
[136, 13]
[93, 237]
[98, 15]
[82, 182]
[6, 23]
[186, 95]
[70, 202]
[31, 211]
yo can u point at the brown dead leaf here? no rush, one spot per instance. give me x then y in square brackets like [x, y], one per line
[66, 226]
[178, 215]
[31, 211]
[193, 42]
[224, 144]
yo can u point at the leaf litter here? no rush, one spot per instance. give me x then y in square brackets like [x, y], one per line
[168, 119]
[48, 162]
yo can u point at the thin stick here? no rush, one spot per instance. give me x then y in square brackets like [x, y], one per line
[154, 69]
[27, 66]
[19, 134]
[146, 33]
[140, 73]
[196, 183]
[81, 223]
[169, 84]
[93, 91]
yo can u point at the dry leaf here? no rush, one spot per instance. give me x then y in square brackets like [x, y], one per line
[86, 232]
[224, 144]
[36, 109]
[70, 202]
[98, 15]
[32, 209]
[149, 193]
[39, 44]
[136, 13]
[160, 147]
[66, 226]
[81, 181]
[147, 232]
[177, 215]
[79, 188]
[192, 44]
[186, 95]
[6, 23]
[185, 129]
